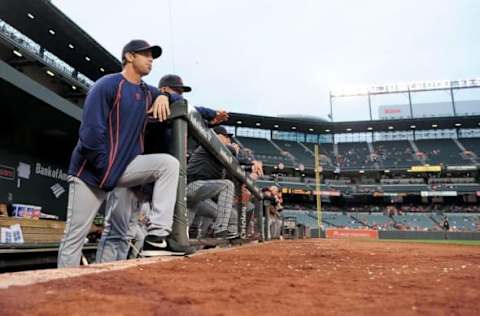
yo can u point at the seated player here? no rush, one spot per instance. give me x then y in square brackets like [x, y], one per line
[209, 193]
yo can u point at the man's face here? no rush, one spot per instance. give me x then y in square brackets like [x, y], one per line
[273, 189]
[224, 139]
[171, 90]
[141, 61]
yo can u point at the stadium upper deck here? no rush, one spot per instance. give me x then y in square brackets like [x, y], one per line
[363, 145]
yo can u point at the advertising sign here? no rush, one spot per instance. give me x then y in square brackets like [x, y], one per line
[351, 233]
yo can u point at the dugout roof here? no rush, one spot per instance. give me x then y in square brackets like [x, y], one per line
[40, 18]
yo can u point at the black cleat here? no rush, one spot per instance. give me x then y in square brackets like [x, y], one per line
[225, 234]
[164, 246]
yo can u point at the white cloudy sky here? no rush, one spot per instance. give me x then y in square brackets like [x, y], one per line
[281, 57]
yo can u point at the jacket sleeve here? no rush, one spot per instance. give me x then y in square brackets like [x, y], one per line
[206, 113]
[155, 92]
[244, 158]
[175, 97]
[93, 130]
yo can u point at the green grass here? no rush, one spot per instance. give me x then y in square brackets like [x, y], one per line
[427, 241]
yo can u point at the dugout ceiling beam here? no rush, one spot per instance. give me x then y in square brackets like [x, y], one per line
[18, 79]
[40, 18]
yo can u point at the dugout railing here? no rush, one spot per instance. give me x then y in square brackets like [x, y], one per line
[189, 123]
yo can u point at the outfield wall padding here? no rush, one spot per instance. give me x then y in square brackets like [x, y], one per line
[428, 235]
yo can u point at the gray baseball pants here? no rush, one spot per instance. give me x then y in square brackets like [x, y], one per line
[200, 196]
[122, 225]
[84, 202]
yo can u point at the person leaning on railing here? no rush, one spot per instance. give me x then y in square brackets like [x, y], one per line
[109, 154]
[209, 193]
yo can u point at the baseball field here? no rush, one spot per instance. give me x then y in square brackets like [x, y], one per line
[291, 277]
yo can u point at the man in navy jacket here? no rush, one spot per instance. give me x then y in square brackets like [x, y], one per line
[120, 206]
[109, 154]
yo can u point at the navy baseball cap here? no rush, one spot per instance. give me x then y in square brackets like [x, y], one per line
[173, 81]
[222, 131]
[135, 46]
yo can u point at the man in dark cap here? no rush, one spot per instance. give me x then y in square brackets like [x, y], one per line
[109, 154]
[209, 194]
[173, 86]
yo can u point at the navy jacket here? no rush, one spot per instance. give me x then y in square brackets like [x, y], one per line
[112, 130]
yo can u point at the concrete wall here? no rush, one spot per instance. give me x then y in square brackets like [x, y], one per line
[44, 185]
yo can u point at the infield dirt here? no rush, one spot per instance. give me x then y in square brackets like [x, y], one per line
[302, 277]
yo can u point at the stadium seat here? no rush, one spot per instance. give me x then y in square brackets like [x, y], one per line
[441, 151]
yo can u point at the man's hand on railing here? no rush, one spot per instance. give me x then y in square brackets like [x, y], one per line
[236, 147]
[221, 116]
[161, 108]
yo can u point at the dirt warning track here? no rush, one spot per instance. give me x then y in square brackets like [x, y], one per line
[305, 277]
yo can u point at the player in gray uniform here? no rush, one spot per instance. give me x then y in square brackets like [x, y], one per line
[124, 208]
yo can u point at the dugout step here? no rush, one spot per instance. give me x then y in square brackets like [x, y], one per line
[28, 256]
[207, 243]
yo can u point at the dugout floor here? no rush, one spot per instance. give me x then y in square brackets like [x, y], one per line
[304, 277]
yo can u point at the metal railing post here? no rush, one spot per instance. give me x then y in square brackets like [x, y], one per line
[259, 216]
[178, 148]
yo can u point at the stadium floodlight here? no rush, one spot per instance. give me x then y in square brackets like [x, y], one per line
[16, 52]
[70, 45]
[370, 128]
[74, 88]
[386, 171]
[311, 129]
[413, 127]
[405, 87]
[294, 127]
[276, 126]
[239, 122]
[51, 31]
[50, 73]
[458, 124]
[258, 124]
[349, 129]
[102, 69]
[31, 16]
[434, 125]
[327, 131]
[87, 58]
[390, 127]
